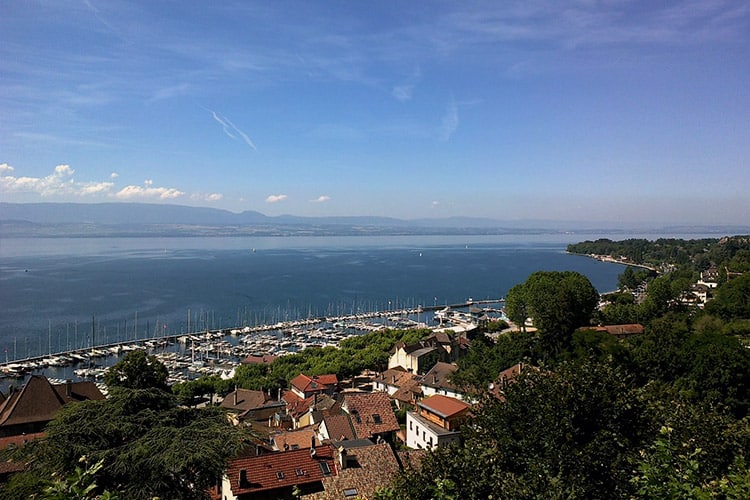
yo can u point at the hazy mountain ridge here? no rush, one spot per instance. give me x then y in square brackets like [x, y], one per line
[143, 219]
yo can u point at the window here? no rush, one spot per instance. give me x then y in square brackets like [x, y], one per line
[325, 468]
[300, 472]
[280, 475]
[376, 418]
[351, 492]
[411, 427]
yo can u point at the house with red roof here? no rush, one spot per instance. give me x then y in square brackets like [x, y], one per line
[305, 387]
[285, 474]
[437, 422]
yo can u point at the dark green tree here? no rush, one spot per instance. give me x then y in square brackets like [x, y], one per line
[138, 370]
[559, 302]
[148, 445]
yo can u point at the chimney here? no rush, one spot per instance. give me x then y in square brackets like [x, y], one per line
[68, 388]
[434, 378]
[243, 478]
[235, 396]
[312, 441]
[342, 457]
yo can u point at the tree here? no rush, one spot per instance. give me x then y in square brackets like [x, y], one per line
[137, 370]
[568, 434]
[149, 446]
[559, 302]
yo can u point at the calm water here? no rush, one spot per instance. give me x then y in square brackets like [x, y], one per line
[52, 290]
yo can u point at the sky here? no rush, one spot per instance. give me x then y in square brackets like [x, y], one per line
[609, 110]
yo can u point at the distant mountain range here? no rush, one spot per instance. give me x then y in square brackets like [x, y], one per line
[142, 219]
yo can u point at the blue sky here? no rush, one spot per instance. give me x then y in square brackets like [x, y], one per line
[582, 110]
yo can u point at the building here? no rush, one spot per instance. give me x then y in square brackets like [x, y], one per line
[371, 415]
[363, 468]
[305, 387]
[285, 474]
[436, 381]
[437, 422]
[246, 404]
[30, 409]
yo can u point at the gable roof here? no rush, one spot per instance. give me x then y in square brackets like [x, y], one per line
[242, 400]
[36, 402]
[294, 440]
[444, 406]
[281, 469]
[396, 376]
[371, 413]
[437, 377]
[305, 384]
[339, 427]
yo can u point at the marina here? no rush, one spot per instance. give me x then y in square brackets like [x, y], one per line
[219, 351]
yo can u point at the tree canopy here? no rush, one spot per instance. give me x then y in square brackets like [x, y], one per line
[149, 447]
[138, 370]
[558, 301]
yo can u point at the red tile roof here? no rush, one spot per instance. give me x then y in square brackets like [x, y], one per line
[266, 359]
[281, 470]
[317, 383]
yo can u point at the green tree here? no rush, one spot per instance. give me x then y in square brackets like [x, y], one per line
[559, 302]
[149, 446]
[732, 300]
[137, 370]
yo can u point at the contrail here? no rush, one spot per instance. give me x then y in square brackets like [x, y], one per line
[230, 129]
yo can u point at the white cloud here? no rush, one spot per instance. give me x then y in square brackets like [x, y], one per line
[114, 175]
[435, 204]
[230, 129]
[214, 197]
[96, 188]
[58, 182]
[162, 193]
[275, 198]
[5, 168]
[321, 199]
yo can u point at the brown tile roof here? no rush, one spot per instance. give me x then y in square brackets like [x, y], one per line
[36, 402]
[339, 427]
[78, 391]
[371, 413]
[395, 376]
[411, 459]
[369, 468]
[295, 440]
[444, 406]
[282, 469]
[438, 376]
[410, 391]
[242, 400]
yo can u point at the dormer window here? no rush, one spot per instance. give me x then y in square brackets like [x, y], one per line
[376, 418]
